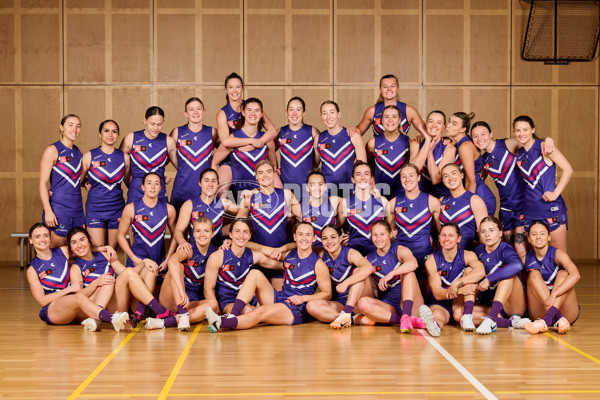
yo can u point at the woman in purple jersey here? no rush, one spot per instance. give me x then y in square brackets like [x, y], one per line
[551, 280]
[207, 204]
[469, 159]
[439, 154]
[543, 195]
[297, 144]
[388, 96]
[320, 209]
[501, 291]
[63, 299]
[60, 167]
[150, 151]
[105, 168]
[228, 121]
[195, 144]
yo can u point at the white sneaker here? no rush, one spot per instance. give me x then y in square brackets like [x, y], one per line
[214, 321]
[154, 323]
[517, 322]
[184, 322]
[90, 324]
[427, 317]
[466, 323]
[118, 320]
[487, 326]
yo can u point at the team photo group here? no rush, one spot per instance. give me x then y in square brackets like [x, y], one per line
[289, 225]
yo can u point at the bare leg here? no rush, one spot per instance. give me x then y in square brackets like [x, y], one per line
[376, 310]
[324, 310]
[275, 314]
[537, 292]
[411, 291]
[225, 177]
[57, 241]
[197, 309]
[440, 315]
[112, 238]
[256, 284]
[98, 236]
[558, 238]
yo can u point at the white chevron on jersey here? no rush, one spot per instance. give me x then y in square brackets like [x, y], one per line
[149, 160]
[296, 279]
[448, 283]
[391, 162]
[450, 217]
[195, 154]
[498, 171]
[295, 150]
[411, 220]
[365, 221]
[243, 162]
[151, 229]
[268, 216]
[539, 174]
[68, 178]
[381, 276]
[107, 185]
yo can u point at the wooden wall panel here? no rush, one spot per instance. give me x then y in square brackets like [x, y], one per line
[175, 3]
[8, 150]
[41, 114]
[8, 194]
[400, 48]
[145, 5]
[353, 102]
[221, 46]
[213, 99]
[310, 4]
[273, 99]
[129, 107]
[84, 4]
[32, 205]
[443, 48]
[40, 48]
[7, 49]
[265, 43]
[525, 73]
[355, 4]
[400, 4]
[176, 58]
[47, 4]
[89, 104]
[582, 236]
[354, 55]
[172, 101]
[490, 44]
[446, 99]
[490, 5]
[132, 48]
[265, 4]
[537, 103]
[222, 4]
[85, 48]
[491, 104]
[311, 49]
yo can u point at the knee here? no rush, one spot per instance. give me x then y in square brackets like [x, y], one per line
[80, 298]
[457, 313]
[314, 307]
[213, 304]
[365, 304]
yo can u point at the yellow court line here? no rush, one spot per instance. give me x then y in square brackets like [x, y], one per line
[594, 359]
[589, 304]
[275, 394]
[546, 391]
[103, 364]
[169, 384]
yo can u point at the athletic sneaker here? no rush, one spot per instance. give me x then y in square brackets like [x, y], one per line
[562, 325]
[360, 319]
[154, 323]
[518, 322]
[427, 317]
[90, 324]
[406, 324]
[537, 326]
[135, 319]
[487, 326]
[417, 323]
[466, 323]
[118, 320]
[184, 322]
[214, 321]
[343, 320]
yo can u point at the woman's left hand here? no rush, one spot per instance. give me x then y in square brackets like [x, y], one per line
[549, 196]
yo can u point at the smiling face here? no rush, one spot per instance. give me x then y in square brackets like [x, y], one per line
[452, 177]
[330, 116]
[362, 177]
[234, 89]
[304, 236]
[209, 183]
[240, 234]
[490, 234]
[252, 113]
[295, 113]
[449, 238]
[203, 233]
[389, 88]
[409, 178]
[154, 124]
[390, 120]
[40, 239]
[380, 236]
[194, 112]
[109, 133]
[524, 132]
[482, 137]
[265, 175]
[455, 127]
[316, 186]
[80, 245]
[436, 124]
[151, 186]
[71, 128]
[539, 237]
[331, 240]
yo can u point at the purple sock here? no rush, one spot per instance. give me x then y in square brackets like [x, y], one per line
[104, 316]
[395, 319]
[229, 323]
[502, 322]
[348, 309]
[549, 317]
[407, 306]
[557, 316]
[141, 308]
[468, 309]
[238, 307]
[170, 321]
[161, 312]
[181, 310]
[496, 309]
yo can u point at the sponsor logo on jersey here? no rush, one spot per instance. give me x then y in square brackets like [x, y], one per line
[229, 267]
[197, 214]
[258, 206]
[45, 273]
[401, 210]
[377, 121]
[443, 273]
[185, 142]
[289, 266]
[553, 209]
[552, 220]
[98, 164]
[192, 263]
[324, 146]
[354, 211]
[141, 218]
[382, 152]
[446, 207]
[488, 165]
[521, 163]
[377, 268]
[64, 159]
[88, 271]
[139, 148]
[285, 141]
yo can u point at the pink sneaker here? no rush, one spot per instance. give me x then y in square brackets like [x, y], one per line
[537, 326]
[361, 319]
[562, 325]
[417, 323]
[406, 324]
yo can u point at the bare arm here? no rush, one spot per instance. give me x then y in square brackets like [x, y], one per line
[435, 282]
[415, 119]
[370, 148]
[359, 147]
[185, 214]
[435, 170]
[363, 271]
[567, 171]
[573, 277]
[366, 120]
[323, 283]
[479, 209]
[467, 157]
[47, 162]
[419, 156]
[214, 262]
[171, 217]
[435, 209]
[172, 151]
[86, 161]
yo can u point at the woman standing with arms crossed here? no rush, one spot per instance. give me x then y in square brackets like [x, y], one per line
[60, 167]
[105, 168]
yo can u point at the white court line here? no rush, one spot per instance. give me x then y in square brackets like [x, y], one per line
[478, 385]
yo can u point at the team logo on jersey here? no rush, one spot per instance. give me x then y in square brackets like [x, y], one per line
[377, 121]
[382, 152]
[324, 146]
[552, 220]
[141, 218]
[197, 214]
[185, 142]
[88, 271]
[139, 148]
[446, 207]
[258, 206]
[443, 273]
[229, 267]
[354, 211]
[289, 266]
[285, 141]
[377, 268]
[64, 159]
[192, 264]
[331, 270]
[45, 273]
[488, 165]
[98, 164]
[401, 210]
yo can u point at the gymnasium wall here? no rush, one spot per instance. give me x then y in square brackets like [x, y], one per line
[112, 59]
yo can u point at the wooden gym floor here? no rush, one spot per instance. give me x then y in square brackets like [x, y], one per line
[303, 362]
